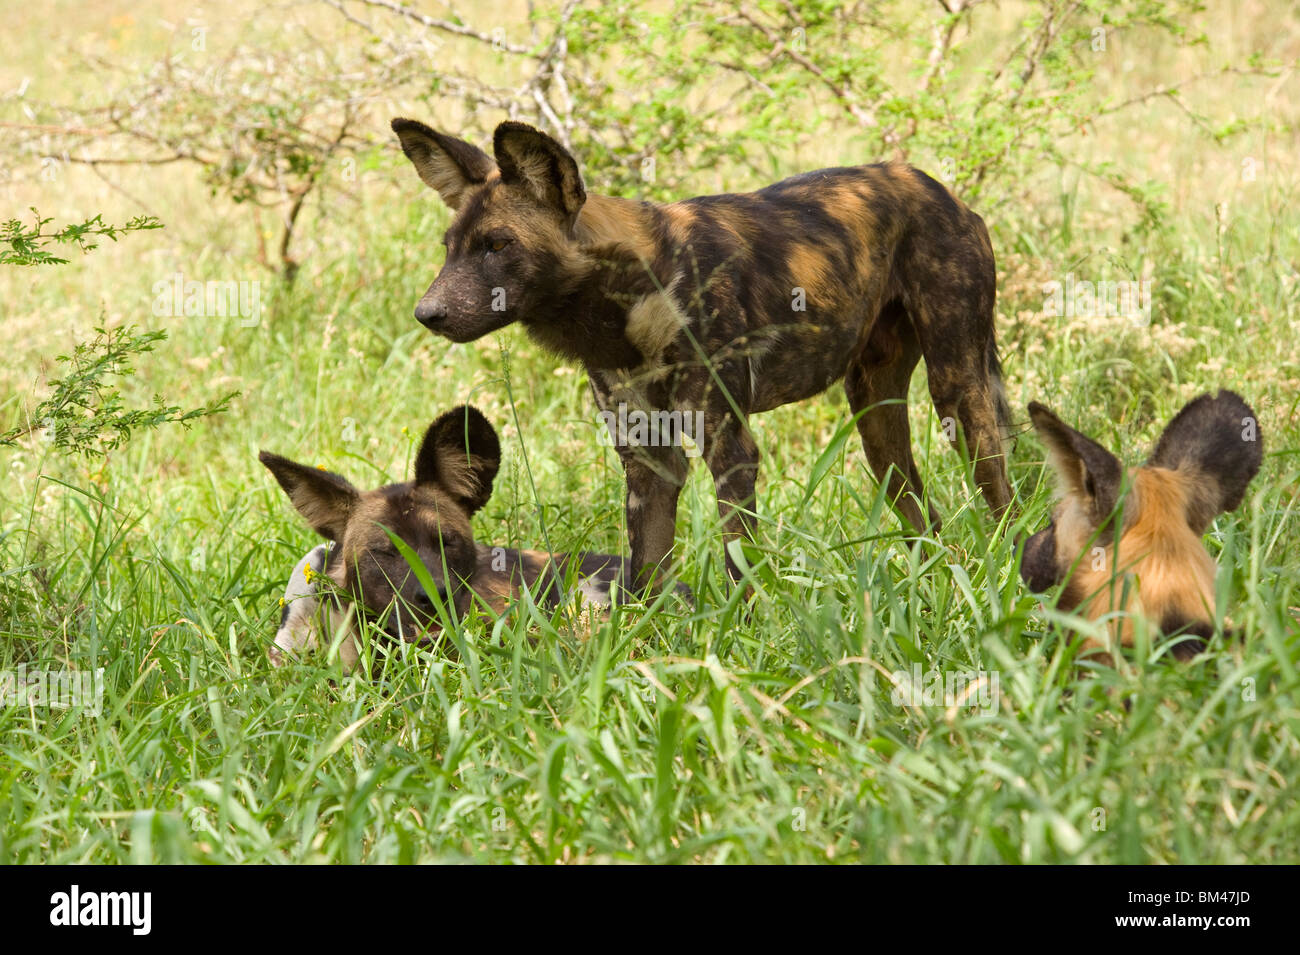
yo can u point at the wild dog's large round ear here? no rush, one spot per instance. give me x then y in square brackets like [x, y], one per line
[447, 165]
[528, 157]
[323, 498]
[1083, 466]
[1215, 441]
[460, 454]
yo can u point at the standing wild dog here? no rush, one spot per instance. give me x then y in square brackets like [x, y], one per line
[1131, 542]
[726, 305]
[371, 580]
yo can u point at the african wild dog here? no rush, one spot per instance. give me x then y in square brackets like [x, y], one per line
[1130, 542]
[727, 305]
[454, 470]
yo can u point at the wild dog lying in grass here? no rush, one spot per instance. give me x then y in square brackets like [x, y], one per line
[1129, 543]
[365, 576]
[726, 306]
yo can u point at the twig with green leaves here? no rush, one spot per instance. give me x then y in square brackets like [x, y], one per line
[28, 244]
[85, 412]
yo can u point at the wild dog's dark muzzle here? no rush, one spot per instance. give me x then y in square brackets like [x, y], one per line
[1038, 564]
[431, 312]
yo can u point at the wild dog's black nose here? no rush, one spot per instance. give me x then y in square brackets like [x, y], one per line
[423, 601]
[430, 314]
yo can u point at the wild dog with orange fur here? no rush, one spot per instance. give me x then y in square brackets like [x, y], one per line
[727, 306]
[369, 579]
[1128, 542]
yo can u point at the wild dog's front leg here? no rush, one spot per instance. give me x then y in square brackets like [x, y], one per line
[655, 470]
[732, 456]
[654, 483]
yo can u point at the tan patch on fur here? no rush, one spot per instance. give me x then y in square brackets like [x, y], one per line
[605, 220]
[733, 222]
[1171, 572]
[654, 321]
[535, 561]
[849, 202]
[813, 273]
[680, 220]
[904, 182]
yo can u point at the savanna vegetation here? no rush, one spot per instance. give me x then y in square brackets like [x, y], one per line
[154, 144]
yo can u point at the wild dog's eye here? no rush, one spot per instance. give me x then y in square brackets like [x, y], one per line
[496, 245]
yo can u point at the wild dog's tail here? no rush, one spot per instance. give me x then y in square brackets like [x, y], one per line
[1003, 409]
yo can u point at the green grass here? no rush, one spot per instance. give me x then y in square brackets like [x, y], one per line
[664, 734]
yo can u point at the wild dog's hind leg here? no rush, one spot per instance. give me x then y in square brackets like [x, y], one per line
[962, 367]
[877, 380]
[950, 283]
[726, 393]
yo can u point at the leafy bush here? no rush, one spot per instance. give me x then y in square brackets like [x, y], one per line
[654, 101]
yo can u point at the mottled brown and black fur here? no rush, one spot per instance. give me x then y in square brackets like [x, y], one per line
[454, 470]
[727, 305]
[1128, 543]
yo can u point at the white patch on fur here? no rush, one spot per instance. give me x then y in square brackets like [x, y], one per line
[595, 592]
[300, 633]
